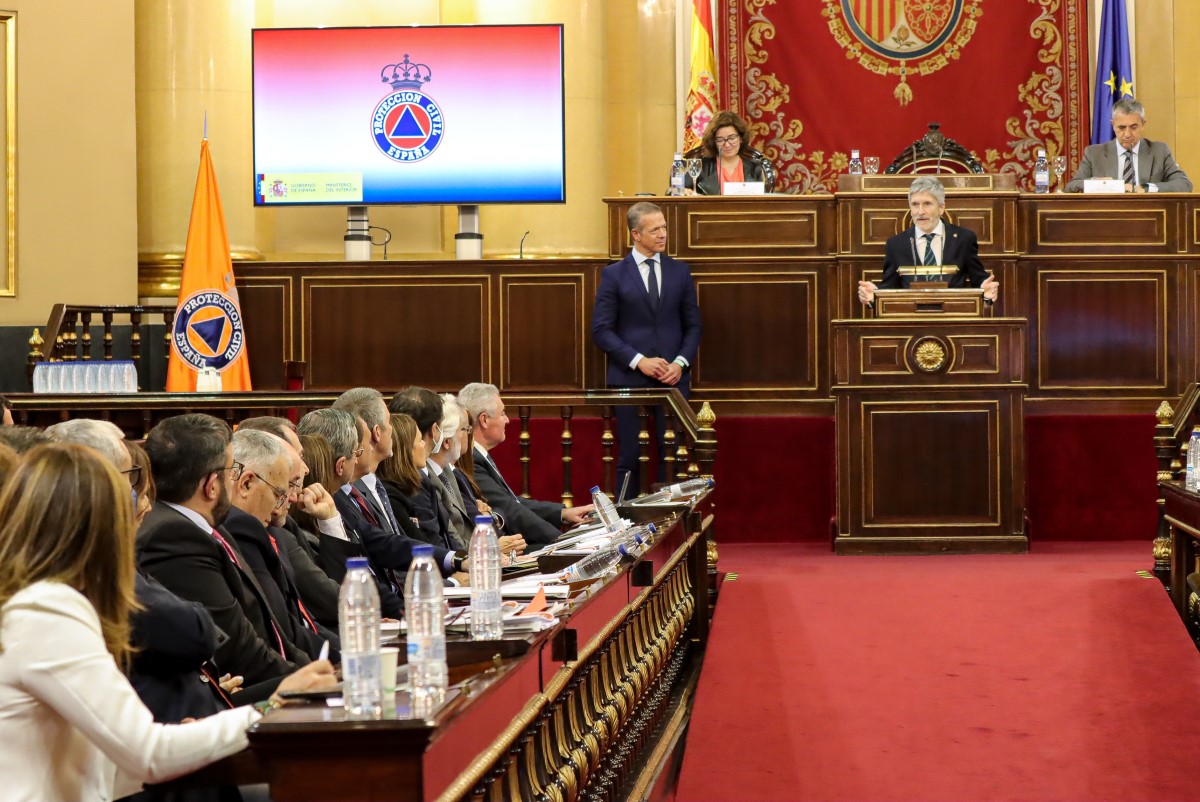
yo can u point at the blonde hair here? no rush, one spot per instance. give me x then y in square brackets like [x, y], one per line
[400, 468]
[66, 516]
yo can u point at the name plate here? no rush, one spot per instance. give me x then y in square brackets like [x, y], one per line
[1103, 186]
[743, 188]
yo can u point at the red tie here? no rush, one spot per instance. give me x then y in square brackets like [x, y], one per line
[362, 503]
[303, 612]
[233, 557]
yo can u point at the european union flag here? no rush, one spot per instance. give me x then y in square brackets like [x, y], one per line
[1114, 69]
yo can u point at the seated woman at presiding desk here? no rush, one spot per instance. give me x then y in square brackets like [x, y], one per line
[725, 156]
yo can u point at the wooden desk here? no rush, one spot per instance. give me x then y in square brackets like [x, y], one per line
[564, 714]
[1182, 514]
[930, 435]
[1107, 284]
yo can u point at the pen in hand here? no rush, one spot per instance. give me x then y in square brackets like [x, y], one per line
[324, 655]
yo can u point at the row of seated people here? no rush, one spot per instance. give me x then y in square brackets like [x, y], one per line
[215, 591]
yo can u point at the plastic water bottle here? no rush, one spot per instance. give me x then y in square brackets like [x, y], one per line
[358, 623]
[1192, 482]
[855, 167]
[689, 488]
[678, 168]
[424, 612]
[636, 539]
[607, 511]
[595, 565]
[486, 623]
[1041, 173]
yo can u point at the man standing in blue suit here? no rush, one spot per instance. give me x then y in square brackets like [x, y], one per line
[647, 321]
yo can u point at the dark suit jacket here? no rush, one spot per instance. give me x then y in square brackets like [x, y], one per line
[384, 550]
[709, 182]
[1155, 166]
[317, 589]
[538, 521]
[277, 580]
[961, 248]
[190, 563]
[409, 508]
[174, 638]
[624, 325]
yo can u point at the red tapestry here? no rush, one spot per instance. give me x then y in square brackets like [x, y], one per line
[816, 78]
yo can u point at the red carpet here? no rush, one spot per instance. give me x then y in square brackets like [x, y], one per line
[1057, 675]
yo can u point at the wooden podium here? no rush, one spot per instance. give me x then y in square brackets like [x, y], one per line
[930, 428]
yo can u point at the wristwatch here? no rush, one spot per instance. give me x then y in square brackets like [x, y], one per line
[457, 561]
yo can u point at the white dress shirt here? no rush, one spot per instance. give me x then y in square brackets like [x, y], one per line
[72, 726]
[939, 243]
[1137, 177]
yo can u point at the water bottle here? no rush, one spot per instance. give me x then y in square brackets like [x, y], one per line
[678, 168]
[595, 565]
[855, 167]
[358, 623]
[1041, 173]
[607, 511]
[424, 612]
[486, 623]
[636, 539]
[1192, 481]
[689, 488]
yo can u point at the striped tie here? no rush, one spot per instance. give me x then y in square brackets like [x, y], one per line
[1128, 176]
[930, 257]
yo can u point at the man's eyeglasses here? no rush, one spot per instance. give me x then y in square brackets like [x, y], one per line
[234, 471]
[727, 140]
[280, 495]
[134, 475]
[358, 452]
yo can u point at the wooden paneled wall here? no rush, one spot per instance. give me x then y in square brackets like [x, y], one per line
[1108, 285]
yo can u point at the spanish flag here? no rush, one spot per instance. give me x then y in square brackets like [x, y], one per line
[702, 83]
[208, 331]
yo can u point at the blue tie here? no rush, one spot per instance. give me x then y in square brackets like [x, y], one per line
[930, 259]
[653, 285]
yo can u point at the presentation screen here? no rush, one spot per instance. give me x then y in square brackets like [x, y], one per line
[436, 115]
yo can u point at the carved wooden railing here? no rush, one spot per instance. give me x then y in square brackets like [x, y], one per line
[1171, 436]
[71, 331]
[691, 442]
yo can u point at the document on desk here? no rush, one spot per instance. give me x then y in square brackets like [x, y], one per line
[524, 587]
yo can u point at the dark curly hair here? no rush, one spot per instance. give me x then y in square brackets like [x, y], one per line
[725, 119]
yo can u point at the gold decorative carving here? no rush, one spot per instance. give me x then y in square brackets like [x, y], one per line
[706, 417]
[1164, 413]
[1162, 552]
[713, 554]
[35, 346]
[930, 354]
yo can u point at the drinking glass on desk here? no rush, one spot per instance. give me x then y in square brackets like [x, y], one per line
[872, 164]
[693, 169]
[1060, 169]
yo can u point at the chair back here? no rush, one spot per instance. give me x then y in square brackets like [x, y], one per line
[934, 153]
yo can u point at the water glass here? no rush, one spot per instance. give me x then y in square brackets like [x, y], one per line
[1060, 169]
[41, 377]
[872, 164]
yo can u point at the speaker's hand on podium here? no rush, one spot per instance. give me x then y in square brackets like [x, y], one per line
[866, 293]
[991, 289]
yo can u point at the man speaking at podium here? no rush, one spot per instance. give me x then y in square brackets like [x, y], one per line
[931, 242]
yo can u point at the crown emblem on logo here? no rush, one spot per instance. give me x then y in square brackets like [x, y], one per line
[405, 75]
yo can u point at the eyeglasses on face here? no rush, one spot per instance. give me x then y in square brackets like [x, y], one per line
[727, 140]
[358, 452]
[280, 495]
[134, 475]
[235, 471]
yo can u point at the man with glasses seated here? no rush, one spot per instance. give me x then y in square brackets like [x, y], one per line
[179, 545]
[260, 492]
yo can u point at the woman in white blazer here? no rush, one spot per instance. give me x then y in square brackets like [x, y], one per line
[72, 726]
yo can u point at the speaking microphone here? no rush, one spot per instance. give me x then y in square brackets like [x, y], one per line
[912, 243]
[521, 247]
[914, 156]
[941, 151]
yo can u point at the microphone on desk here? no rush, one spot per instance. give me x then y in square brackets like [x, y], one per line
[521, 247]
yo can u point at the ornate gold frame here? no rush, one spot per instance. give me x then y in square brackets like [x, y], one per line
[8, 20]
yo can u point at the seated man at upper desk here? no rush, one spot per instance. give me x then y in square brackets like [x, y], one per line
[933, 242]
[1145, 165]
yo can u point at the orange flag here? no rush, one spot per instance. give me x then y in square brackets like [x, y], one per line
[702, 83]
[208, 329]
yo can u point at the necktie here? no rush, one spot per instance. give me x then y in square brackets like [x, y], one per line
[233, 558]
[295, 594]
[930, 258]
[1128, 176]
[496, 470]
[653, 285]
[362, 505]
